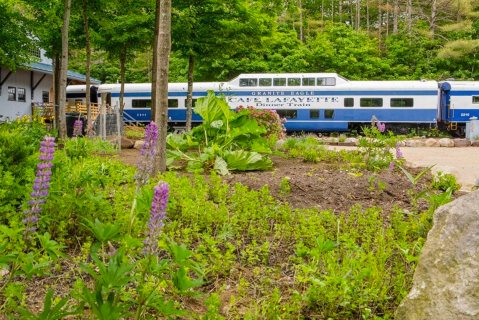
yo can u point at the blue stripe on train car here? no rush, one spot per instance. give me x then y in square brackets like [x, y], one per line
[461, 115]
[463, 93]
[289, 93]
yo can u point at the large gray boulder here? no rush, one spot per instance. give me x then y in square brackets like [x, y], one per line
[446, 280]
[432, 143]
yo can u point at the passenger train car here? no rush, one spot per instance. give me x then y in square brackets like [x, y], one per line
[313, 101]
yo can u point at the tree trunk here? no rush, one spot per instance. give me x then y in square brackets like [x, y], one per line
[340, 11]
[409, 19]
[332, 11]
[322, 13]
[122, 72]
[163, 54]
[189, 95]
[55, 88]
[154, 70]
[395, 17]
[387, 18]
[432, 22]
[88, 65]
[380, 25]
[351, 13]
[358, 15]
[300, 21]
[367, 14]
[64, 71]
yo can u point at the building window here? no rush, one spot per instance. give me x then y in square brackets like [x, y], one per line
[143, 104]
[248, 82]
[172, 103]
[349, 102]
[475, 99]
[329, 114]
[265, 82]
[45, 96]
[314, 114]
[326, 81]
[402, 102]
[12, 94]
[288, 114]
[308, 81]
[371, 102]
[21, 95]
[294, 81]
[35, 52]
[279, 82]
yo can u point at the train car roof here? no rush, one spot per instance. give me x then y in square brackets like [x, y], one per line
[145, 87]
[79, 88]
[392, 85]
[462, 85]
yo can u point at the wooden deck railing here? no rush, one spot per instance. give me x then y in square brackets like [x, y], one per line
[47, 112]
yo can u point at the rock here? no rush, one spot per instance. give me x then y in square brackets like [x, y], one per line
[459, 143]
[402, 143]
[126, 143]
[446, 280]
[414, 143]
[432, 143]
[138, 144]
[445, 142]
[350, 142]
[475, 143]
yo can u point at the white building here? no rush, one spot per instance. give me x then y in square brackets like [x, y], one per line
[19, 89]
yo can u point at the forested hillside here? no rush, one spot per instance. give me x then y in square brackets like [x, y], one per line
[359, 39]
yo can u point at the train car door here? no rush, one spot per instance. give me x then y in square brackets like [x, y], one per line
[445, 102]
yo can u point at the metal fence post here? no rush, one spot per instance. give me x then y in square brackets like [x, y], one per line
[118, 129]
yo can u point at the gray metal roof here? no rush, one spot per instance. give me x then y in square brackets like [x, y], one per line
[47, 68]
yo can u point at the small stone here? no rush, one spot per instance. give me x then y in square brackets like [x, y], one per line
[475, 143]
[432, 143]
[138, 144]
[414, 143]
[447, 143]
[461, 143]
[126, 143]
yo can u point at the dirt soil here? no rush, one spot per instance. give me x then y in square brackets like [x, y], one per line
[323, 185]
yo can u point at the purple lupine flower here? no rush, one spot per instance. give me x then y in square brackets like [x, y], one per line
[399, 155]
[77, 128]
[381, 126]
[391, 166]
[157, 217]
[147, 153]
[42, 183]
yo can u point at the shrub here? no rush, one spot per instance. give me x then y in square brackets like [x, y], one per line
[269, 119]
[443, 181]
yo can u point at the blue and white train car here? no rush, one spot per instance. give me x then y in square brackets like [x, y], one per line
[310, 102]
[459, 101]
[77, 94]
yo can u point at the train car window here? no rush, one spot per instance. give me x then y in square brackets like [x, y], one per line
[314, 114]
[193, 104]
[308, 81]
[371, 102]
[172, 103]
[349, 102]
[135, 103]
[288, 114]
[248, 82]
[326, 81]
[294, 81]
[329, 114]
[265, 82]
[279, 82]
[475, 99]
[402, 102]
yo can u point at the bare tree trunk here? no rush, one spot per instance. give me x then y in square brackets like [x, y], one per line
[154, 70]
[88, 65]
[54, 86]
[380, 25]
[340, 11]
[300, 20]
[322, 13]
[387, 18]
[409, 19]
[332, 11]
[367, 14]
[358, 15]
[432, 22]
[189, 95]
[351, 14]
[163, 53]
[64, 71]
[122, 76]
[395, 17]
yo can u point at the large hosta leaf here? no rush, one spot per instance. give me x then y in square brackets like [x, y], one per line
[211, 109]
[247, 160]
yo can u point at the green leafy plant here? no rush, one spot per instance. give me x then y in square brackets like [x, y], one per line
[444, 181]
[414, 193]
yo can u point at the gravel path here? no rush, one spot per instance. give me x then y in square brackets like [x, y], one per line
[461, 162]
